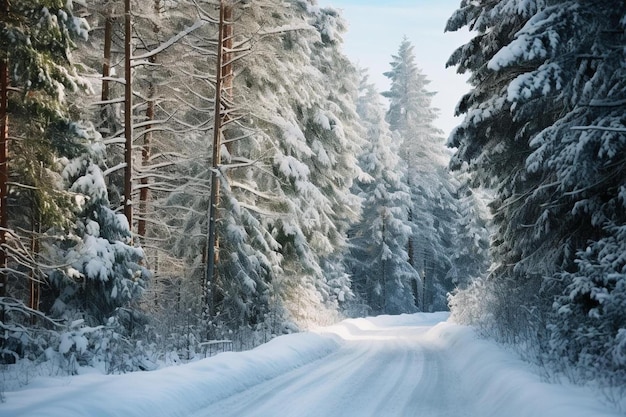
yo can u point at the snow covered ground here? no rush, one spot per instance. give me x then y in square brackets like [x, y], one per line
[409, 365]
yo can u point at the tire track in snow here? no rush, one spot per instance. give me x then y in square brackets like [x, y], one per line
[377, 372]
[256, 397]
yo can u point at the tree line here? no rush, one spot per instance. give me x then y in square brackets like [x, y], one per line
[183, 170]
[180, 171]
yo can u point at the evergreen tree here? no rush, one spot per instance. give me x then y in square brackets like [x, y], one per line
[544, 128]
[471, 259]
[300, 91]
[37, 75]
[286, 167]
[246, 251]
[379, 262]
[80, 251]
[433, 212]
[103, 272]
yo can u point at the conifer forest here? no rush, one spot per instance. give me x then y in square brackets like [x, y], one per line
[177, 172]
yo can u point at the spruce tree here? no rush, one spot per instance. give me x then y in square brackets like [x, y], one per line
[433, 211]
[103, 274]
[37, 75]
[544, 129]
[381, 273]
[301, 91]
[80, 255]
[286, 167]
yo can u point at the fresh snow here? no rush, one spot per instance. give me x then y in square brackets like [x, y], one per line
[418, 365]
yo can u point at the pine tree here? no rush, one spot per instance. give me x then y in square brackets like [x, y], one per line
[544, 128]
[37, 75]
[471, 259]
[433, 210]
[293, 171]
[379, 262]
[239, 288]
[80, 256]
[103, 272]
[286, 166]
[320, 131]
[167, 135]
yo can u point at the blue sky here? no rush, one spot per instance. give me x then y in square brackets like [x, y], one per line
[376, 29]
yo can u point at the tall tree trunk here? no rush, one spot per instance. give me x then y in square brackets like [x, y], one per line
[227, 65]
[4, 171]
[144, 189]
[35, 287]
[383, 272]
[105, 113]
[128, 118]
[106, 60]
[410, 249]
[223, 95]
[106, 123]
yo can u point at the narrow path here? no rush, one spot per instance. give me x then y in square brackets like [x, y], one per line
[382, 372]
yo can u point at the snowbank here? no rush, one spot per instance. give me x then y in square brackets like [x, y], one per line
[496, 383]
[169, 392]
[503, 385]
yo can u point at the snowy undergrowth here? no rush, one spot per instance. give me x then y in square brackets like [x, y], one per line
[524, 335]
[505, 385]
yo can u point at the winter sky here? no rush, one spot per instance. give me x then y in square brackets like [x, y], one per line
[376, 29]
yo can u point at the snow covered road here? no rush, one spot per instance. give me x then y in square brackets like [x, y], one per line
[409, 365]
[378, 371]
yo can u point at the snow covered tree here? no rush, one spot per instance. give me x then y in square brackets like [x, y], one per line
[164, 119]
[292, 166]
[544, 128]
[286, 165]
[238, 291]
[433, 209]
[381, 273]
[79, 258]
[103, 271]
[411, 113]
[471, 259]
[36, 75]
[306, 102]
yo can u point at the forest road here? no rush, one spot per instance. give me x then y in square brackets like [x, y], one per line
[379, 371]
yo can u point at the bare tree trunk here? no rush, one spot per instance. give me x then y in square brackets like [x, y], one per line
[223, 85]
[106, 61]
[409, 245]
[410, 248]
[128, 118]
[4, 171]
[144, 190]
[35, 287]
[383, 273]
[227, 65]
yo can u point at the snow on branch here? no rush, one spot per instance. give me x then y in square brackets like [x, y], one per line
[114, 140]
[105, 102]
[252, 190]
[113, 169]
[258, 210]
[607, 103]
[198, 24]
[601, 128]
[11, 304]
[286, 28]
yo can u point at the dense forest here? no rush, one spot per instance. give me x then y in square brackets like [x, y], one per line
[175, 172]
[544, 129]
